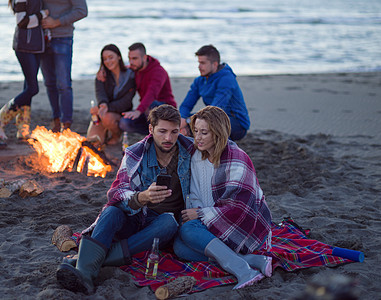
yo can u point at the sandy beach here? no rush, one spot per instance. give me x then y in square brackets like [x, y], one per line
[315, 141]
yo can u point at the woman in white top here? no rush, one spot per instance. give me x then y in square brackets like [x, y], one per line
[226, 216]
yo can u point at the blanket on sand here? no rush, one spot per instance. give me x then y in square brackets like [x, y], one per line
[291, 250]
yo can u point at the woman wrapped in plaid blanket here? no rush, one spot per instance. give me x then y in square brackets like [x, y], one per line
[227, 217]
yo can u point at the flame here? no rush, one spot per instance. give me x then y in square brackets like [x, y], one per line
[61, 151]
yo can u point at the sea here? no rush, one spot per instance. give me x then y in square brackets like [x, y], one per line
[255, 37]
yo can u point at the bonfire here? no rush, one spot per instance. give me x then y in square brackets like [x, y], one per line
[68, 151]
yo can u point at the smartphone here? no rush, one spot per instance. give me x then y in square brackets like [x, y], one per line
[164, 179]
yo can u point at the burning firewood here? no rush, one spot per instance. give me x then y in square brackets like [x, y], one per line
[69, 151]
[77, 158]
[85, 167]
[62, 238]
[101, 154]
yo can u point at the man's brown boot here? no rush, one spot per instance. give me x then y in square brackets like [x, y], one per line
[56, 125]
[65, 126]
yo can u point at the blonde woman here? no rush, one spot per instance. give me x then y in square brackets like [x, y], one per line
[226, 216]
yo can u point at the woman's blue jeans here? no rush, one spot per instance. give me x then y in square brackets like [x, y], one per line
[56, 68]
[139, 231]
[30, 64]
[191, 241]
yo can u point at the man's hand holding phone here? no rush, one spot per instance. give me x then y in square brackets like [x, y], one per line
[156, 192]
[164, 180]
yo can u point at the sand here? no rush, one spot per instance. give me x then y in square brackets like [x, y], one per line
[315, 142]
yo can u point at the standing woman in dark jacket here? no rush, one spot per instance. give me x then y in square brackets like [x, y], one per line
[114, 96]
[28, 43]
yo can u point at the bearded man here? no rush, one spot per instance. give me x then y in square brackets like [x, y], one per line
[137, 210]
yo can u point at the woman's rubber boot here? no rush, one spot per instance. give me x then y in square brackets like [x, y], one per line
[23, 123]
[260, 262]
[232, 263]
[7, 113]
[118, 255]
[91, 256]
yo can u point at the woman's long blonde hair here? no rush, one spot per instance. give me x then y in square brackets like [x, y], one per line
[219, 125]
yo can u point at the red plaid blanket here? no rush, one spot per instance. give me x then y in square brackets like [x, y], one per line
[291, 250]
[207, 274]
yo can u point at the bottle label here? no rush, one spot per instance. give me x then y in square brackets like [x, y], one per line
[125, 141]
[151, 269]
[154, 272]
[95, 119]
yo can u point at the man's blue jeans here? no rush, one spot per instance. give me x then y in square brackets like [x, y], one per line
[139, 125]
[192, 239]
[56, 69]
[30, 63]
[139, 231]
[237, 131]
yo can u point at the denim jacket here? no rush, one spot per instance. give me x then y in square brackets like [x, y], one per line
[149, 169]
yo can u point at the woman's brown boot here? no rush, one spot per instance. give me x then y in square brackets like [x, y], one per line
[7, 113]
[23, 123]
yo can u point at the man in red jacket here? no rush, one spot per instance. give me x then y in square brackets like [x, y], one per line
[153, 86]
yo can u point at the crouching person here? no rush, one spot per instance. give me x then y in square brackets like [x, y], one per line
[137, 210]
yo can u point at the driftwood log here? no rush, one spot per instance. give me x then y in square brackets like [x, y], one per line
[26, 188]
[30, 189]
[8, 188]
[176, 287]
[62, 238]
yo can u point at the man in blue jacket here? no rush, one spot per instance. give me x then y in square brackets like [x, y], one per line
[217, 86]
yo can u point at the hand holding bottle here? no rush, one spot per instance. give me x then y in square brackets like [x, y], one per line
[103, 109]
[94, 113]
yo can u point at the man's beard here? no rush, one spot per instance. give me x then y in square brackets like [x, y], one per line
[164, 150]
[140, 67]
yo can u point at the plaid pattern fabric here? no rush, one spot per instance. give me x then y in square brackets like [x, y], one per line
[127, 180]
[207, 274]
[240, 216]
[291, 250]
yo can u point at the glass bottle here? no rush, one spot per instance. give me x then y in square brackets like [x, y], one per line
[125, 141]
[94, 117]
[48, 35]
[153, 260]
